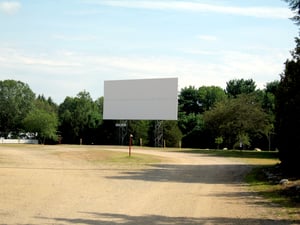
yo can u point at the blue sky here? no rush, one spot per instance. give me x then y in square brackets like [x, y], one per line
[62, 47]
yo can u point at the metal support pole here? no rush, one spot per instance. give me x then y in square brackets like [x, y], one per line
[122, 125]
[158, 134]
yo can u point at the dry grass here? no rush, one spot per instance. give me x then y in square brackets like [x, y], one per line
[104, 157]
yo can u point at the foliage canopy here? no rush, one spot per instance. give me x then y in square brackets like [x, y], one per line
[16, 100]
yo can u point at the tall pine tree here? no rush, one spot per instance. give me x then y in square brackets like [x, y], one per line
[288, 105]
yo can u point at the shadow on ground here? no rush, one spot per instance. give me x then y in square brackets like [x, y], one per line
[209, 174]
[120, 219]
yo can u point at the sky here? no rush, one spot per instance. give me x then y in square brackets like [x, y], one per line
[62, 47]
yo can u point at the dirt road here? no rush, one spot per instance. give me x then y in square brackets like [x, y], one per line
[39, 187]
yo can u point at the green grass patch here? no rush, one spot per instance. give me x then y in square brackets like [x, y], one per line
[260, 183]
[286, 196]
[249, 157]
[235, 153]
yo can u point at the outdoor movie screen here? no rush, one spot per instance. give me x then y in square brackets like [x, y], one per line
[142, 99]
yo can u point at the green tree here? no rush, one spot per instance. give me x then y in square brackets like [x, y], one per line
[295, 6]
[172, 133]
[236, 120]
[16, 100]
[288, 104]
[79, 118]
[192, 104]
[139, 129]
[219, 141]
[188, 101]
[192, 128]
[43, 120]
[272, 87]
[240, 86]
[43, 123]
[288, 111]
[192, 100]
[209, 95]
[99, 103]
[268, 104]
[47, 104]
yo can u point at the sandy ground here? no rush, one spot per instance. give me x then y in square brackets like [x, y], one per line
[39, 187]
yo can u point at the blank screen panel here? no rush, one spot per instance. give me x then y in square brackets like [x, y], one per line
[144, 99]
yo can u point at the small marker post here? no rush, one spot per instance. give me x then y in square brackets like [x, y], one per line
[130, 144]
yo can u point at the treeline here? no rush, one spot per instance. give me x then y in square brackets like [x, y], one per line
[241, 116]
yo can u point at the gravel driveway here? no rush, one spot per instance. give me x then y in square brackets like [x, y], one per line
[39, 187]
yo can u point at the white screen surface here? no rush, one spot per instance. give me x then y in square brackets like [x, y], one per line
[144, 99]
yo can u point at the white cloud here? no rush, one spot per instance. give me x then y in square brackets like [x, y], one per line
[13, 58]
[46, 62]
[261, 12]
[10, 7]
[84, 12]
[59, 75]
[74, 37]
[227, 63]
[207, 37]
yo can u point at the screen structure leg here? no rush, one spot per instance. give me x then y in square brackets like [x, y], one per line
[122, 125]
[158, 133]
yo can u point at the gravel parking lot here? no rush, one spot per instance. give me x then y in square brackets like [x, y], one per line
[47, 185]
